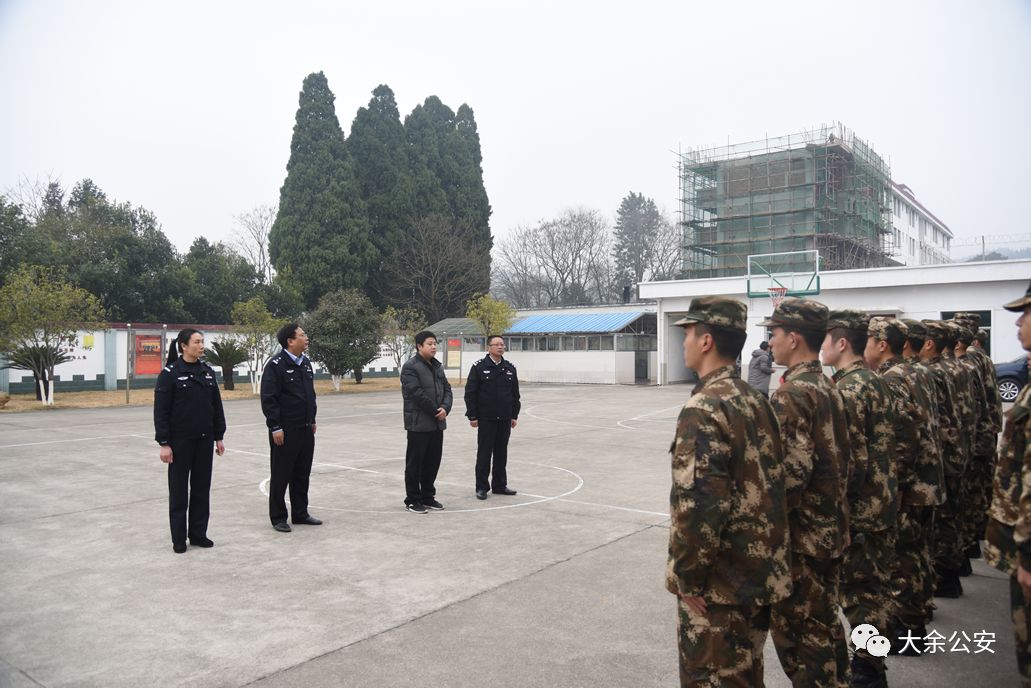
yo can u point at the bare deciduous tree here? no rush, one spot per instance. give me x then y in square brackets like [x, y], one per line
[436, 271]
[251, 239]
[559, 262]
[667, 256]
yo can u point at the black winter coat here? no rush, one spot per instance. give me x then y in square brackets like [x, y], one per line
[425, 389]
[187, 403]
[288, 393]
[492, 391]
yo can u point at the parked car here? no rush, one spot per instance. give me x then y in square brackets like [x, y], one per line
[1012, 377]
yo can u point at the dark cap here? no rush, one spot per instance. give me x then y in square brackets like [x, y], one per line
[936, 329]
[1020, 304]
[973, 318]
[798, 314]
[916, 328]
[848, 320]
[880, 326]
[716, 311]
[964, 330]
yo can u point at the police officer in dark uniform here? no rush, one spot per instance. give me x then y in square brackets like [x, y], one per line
[288, 402]
[188, 423]
[492, 406]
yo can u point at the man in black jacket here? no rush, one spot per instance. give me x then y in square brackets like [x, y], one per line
[427, 401]
[288, 402]
[492, 407]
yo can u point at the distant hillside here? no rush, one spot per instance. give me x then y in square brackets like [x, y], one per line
[994, 253]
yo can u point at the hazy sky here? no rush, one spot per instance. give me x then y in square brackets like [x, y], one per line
[187, 108]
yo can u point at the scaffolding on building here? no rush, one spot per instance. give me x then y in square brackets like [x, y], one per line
[824, 190]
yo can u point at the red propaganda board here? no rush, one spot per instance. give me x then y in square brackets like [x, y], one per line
[148, 354]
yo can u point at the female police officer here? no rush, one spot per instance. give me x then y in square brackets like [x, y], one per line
[188, 420]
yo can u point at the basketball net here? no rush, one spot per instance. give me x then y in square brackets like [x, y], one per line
[777, 295]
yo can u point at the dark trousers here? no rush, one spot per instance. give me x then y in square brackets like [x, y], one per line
[492, 439]
[422, 461]
[189, 487]
[291, 467]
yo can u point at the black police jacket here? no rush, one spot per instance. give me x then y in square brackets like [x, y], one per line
[492, 391]
[187, 403]
[288, 393]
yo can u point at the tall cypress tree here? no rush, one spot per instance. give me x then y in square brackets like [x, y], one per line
[321, 234]
[638, 222]
[444, 150]
[378, 148]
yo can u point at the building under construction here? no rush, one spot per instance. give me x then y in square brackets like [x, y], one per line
[824, 190]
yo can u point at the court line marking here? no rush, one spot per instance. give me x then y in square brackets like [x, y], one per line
[642, 417]
[538, 499]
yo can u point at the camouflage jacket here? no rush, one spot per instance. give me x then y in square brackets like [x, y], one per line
[984, 438]
[728, 536]
[966, 410]
[814, 431]
[953, 459]
[991, 385]
[873, 481]
[1009, 530]
[917, 432]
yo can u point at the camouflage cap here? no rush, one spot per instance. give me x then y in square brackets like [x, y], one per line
[716, 311]
[965, 330]
[798, 314]
[972, 318]
[1018, 305]
[880, 326]
[956, 330]
[916, 328]
[848, 320]
[936, 329]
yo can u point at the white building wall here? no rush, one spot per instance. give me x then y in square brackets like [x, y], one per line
[908, 292]
[919, 238]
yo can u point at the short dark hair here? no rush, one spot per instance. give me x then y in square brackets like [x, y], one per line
[916, 342]
[728, 343]
[286, 333]
[812, 338]
[940, 343]
[494, 336]
[856, 339]
[896, 340]
[764, 345]
[421, 337]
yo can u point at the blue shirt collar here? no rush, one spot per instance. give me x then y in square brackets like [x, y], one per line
[296, 359]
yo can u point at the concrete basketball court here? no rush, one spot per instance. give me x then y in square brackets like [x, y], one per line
[561, 585]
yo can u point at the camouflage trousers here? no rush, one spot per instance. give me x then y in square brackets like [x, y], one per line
[913, 566]
[866, 582]
[806, 631]
[1019, 611]
[724, 647]
[948, 519]
[977, 488]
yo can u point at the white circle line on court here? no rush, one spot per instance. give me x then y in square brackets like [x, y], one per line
[263, 488]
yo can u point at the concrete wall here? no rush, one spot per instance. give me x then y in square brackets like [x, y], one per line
[909, 292]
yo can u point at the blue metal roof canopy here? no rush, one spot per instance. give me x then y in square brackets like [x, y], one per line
[597, 323]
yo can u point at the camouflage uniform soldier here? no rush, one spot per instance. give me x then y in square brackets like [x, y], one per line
[982, 448]
[809, 638]
[985, 445]
[926, 383]
[947, 552]
[920, 480]
[728, 539]
[1008, 539]
[872, 486]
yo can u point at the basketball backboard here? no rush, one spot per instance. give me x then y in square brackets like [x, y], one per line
[797, 272]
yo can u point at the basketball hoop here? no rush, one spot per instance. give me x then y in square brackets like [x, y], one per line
[777, 295]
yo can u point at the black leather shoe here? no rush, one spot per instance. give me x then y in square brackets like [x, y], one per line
[201, 542]
[505, 491]
[178, 547]
[308, 520]
[949, 586]
[282, 527]
[481, 494]
[965, 570]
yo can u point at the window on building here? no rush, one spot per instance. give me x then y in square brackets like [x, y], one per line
[594, 343]
[607, 343]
